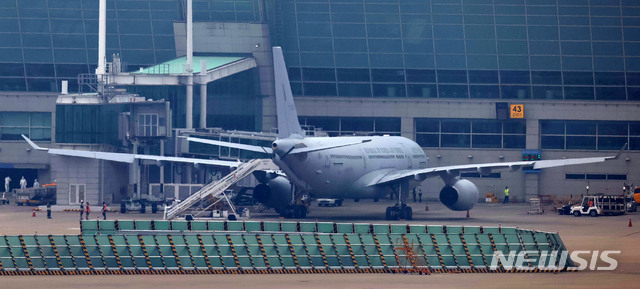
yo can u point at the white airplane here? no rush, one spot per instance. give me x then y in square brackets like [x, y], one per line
[341, 167]
[361, 167]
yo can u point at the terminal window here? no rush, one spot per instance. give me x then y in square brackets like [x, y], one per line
[466, 133]
[35, 125]
[148, 124]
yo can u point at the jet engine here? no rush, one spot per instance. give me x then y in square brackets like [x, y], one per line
[274, 193]
[462, 196]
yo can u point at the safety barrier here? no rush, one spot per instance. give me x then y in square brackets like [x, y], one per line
[219, 247]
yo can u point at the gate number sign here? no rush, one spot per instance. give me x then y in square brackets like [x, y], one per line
[517, 111]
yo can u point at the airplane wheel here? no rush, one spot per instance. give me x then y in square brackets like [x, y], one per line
[408, 213]
[389, 214]
[287, 212]
[300, 212]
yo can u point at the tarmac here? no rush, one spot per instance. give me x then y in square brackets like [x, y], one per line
[578, 233]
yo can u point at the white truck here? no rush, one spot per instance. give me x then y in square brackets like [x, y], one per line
[599, 205]
[329, 202]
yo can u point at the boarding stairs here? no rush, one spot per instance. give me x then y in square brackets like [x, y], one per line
[217, 188]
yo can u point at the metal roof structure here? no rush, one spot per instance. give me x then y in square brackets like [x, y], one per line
[174, 72]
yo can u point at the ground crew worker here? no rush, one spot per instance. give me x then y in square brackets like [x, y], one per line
[420, 192]
[23, 183]
[87, 210]
[7, 185]
[81, 209]
[104, 210]
[414, 195]
[48, 210]
[506, 195]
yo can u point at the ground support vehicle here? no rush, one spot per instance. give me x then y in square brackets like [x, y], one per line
[600, 205]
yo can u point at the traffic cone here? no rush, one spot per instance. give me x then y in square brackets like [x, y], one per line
[468, 214]
[34, 213]
[630, 225]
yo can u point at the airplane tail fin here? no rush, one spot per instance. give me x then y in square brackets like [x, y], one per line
[288, 124]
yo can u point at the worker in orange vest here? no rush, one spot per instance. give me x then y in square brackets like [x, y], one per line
[87, 210]
[104, 210]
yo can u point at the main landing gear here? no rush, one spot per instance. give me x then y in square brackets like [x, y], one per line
[294, 211]
[400, 210]
[300, 206]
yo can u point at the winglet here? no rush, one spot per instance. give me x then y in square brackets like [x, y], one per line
[622, 149]
[33, 145]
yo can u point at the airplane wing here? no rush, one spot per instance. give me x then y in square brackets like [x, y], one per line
[484, 168]
[128, 158]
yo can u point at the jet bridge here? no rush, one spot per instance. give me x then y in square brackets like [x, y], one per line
[217, 188]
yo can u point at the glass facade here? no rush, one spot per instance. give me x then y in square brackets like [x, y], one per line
[474, 133]
[93, 124]
[44, 42]
[589, 135]
[335, 126]
[497, 49]
[35, 125]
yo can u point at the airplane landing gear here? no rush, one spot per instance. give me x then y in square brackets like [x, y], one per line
[294, 211]
[402, 212]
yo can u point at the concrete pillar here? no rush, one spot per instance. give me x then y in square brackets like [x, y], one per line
[189, 103]
[533, 134]
[531, 186]
[532, 180]
[407, 127]
[203, 105]
[134, 171]
[162, 166]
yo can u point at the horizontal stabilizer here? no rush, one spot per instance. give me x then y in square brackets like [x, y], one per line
[245, 147]
[326, 147]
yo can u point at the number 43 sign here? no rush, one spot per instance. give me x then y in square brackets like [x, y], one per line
[517, 111]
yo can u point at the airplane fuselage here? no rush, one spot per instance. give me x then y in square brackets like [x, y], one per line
[350, 171]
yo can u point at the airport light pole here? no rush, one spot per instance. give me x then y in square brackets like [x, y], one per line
[587, 188]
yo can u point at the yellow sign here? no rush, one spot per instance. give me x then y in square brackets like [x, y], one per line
[517, 111]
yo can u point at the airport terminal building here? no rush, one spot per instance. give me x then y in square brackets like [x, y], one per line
[471, 81]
